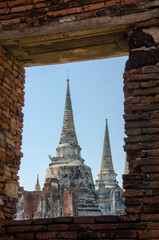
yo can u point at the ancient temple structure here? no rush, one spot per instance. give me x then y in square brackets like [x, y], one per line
[37, 186]
[69, 189]
[109, 194]
[126, 167]
[69, 167]
[52, 201]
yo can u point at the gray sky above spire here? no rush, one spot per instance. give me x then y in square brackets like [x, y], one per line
[68, 134]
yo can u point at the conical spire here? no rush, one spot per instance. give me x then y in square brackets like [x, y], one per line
[68, 134]
[126, 167]
[107, 164]
[106, 174]
[37, 186]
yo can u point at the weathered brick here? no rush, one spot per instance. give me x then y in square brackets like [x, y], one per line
[63, 220]
[136, 209]
[19, 2]
[20, 229]
[106, 219]
[67, 235]
[133, 193]
[3, 4]
[45, 235]
[123, 233]
[110, 3]
[28, 236]
[102, 226]
[148, 234]
[21, 8]
[84, 219]
[57, 227]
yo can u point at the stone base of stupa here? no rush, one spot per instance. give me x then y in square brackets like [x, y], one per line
[87, 206]
[75, 174]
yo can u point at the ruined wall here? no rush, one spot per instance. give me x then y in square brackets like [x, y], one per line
[141, 89]
[70, 202]
[141, 221]
[32, 13]
[11, 123]
[52, 201]
[30, 203]
[99, 227]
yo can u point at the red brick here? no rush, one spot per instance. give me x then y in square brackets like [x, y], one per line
[106, 219]
[45, 235]
[133, 193]
[10, 21]
[110, 3]
[3, 4]
[4, 126]
[6, 237]
[91, 7]
[12, 181]
[4, 11]
[153, 225]
[21, 8]
[151, 200]
[154, 184]
[67, 235]
[7, 209]
[134, 210]
[20, 229]
[84, 219]
[79, 227]
[148, 234]
[151, 169]
[19, 2]
[5, 90]
[125, 233]
[128, 1]
[63, 220]
[42, 5]
[14, 98]
[64, 12]
[37, 1]
[57, 227]
[102, 226]
[14, 170]
[18, 223]
[25, 236]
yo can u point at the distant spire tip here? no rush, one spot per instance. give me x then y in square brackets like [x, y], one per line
[67, 75]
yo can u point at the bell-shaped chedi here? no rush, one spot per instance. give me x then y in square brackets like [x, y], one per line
[69, 167]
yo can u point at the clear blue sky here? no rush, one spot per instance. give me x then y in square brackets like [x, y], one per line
[97, 93]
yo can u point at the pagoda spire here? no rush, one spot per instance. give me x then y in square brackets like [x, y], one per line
[37, 186]
[107, 163]
[68, 134]
[106, 176]
[126, 167]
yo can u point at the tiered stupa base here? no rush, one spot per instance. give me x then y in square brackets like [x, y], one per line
[77, 175]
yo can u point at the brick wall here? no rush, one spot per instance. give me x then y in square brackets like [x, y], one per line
[11, 123]
[141, 221]
[70, 202]
[30, 203]
[31, 13]
[101, 227]
[141, 89]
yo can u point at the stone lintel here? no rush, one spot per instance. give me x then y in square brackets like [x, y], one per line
[88, 39]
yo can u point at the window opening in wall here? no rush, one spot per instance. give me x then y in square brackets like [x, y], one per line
[96, 93]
